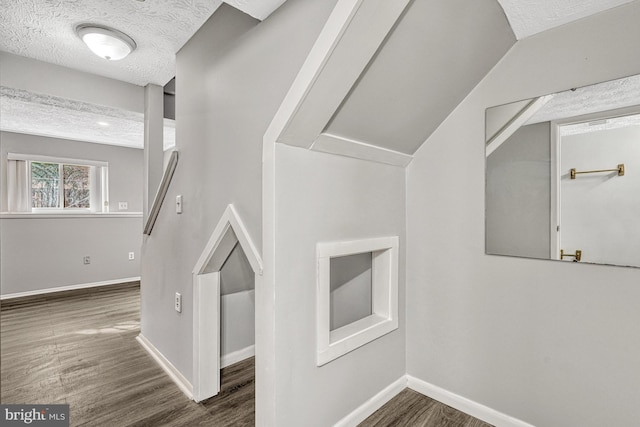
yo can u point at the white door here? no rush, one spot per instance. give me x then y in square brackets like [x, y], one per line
[599, 212]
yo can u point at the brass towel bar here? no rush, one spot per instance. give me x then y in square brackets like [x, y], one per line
[619, 169]
[576, 257]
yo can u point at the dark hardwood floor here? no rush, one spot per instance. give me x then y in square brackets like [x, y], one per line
[412, 409]
[79, 348]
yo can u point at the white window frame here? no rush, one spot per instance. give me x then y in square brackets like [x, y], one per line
[98, 179]
[332, 344]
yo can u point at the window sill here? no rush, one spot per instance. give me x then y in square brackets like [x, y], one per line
[67, 215]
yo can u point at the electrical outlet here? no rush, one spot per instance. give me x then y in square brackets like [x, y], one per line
[87, 260]
[123, 206]
[132, 255]
[178, 302]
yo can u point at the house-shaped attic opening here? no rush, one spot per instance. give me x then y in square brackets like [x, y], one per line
[226, 237]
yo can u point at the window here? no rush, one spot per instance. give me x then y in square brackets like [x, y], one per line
[47, 184]
[357, 299]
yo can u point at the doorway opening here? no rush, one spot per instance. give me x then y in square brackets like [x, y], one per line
[224, 308]
[593, 210]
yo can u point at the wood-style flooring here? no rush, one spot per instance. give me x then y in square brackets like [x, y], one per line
[79, 348]
[412, 409]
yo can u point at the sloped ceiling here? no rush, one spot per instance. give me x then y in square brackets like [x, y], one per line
[433, 57]
[436, 54]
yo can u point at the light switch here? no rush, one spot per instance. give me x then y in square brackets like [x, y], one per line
[179, 204]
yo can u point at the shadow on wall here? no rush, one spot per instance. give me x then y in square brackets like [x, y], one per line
[237, 303]
[351, 298]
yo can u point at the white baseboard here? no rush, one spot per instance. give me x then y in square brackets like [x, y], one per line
[177, 377]
[373, 404]
[463, 404]
[69, 288]
[237, 356]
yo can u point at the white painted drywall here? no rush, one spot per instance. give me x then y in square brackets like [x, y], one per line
[231, 78]
[45, 253]
[125, 164]
[36, 76]
[324, 198]
[600, 212]
[237, 303]
[350, 289]
[498, 118]
[437, 52]
[550, 343]
[237, 322]
[518, 194]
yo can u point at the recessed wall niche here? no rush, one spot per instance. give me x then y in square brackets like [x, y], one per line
[357, 294]
[350, 296]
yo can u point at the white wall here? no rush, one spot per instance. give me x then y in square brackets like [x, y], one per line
[125, 164]
[237, 303]
[45, 252]
[553, 344]
[600, 212]
[350, 289]
[40, 254]
[36, 76]
[518, 192]
[324, 198]
[231, 78]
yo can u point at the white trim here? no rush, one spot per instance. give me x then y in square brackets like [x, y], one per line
[350, 38]
[331, 344]
[183, 384]
[237, 356]
[376, 402]
[229, 219]
[555, 229]
[554, 208]
[51, 159]
[68, 214]
[463, 404]
[206, 335]
[229, 232]
[339, 145]
[514, 124]
[69, 288]
[331, 35]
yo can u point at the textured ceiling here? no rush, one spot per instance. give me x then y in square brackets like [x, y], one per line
[604, 96]
[44, 30]
[37, 114]
[528, 17]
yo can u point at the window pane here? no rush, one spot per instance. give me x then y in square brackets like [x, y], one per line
[76, 186]
[45, 185]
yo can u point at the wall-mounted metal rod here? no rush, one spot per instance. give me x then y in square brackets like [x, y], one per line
[619, 169]
[577, 256]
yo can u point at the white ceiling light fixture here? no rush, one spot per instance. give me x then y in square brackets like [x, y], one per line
[106, 42]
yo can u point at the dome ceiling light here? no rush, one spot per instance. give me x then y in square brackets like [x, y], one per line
[106, 42]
